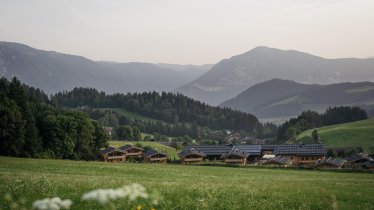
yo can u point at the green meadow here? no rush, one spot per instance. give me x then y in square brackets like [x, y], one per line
[360, 133]
[186, 187]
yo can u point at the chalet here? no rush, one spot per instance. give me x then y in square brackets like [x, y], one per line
[370, 165]
[132, 151]
[357, 160]
[112, 154]
[301, 154]
[253, 151]
[268, 149]
[154, 156]
[212, 152]
[278, 161]
[235, 156]
[329, 163]
[191, 156]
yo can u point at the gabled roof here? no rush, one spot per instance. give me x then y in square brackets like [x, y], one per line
[268, 147]
[300, 149]
[150, 153]
[211, 150]
[129, 146]
[330, 161]
[109, 150]
[191, 151]
[251, 149]
[236, 152]
[278, 160]
[357, 156]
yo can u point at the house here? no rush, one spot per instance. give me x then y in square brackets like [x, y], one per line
[358, 160]
[278, 161]
[191, 156]
[131, 151]
[212, 152]
[370, 165]
[329, 163]
[301, 154]
[268, 149]
[253, 151]
[112, 154]
[235, 156]
[154, 156]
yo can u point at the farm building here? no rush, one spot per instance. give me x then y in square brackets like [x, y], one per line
[253, 151]
[268, 149]
[357, 160]
[192, 156]
[154, 156]
[112, 154]
[235, 156]
[301, 154]
[132, 151]
[370, 165]
[329, 163]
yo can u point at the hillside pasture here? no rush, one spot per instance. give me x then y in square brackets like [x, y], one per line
[187, 187]
[355, 134]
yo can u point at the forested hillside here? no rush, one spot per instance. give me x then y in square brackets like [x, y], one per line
[174, 109]
[31, 127]
[311, 119]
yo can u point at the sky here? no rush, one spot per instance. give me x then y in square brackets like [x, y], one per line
[189, 31]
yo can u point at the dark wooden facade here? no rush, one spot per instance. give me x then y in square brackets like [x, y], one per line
[192, 156]
[154, 156]
[112, 154]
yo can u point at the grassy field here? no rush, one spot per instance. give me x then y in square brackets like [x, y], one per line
[173, 154]
[360, 133]
[187, 187]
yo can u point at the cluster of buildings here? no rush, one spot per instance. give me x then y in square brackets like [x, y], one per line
[313, 155]
[131, 152]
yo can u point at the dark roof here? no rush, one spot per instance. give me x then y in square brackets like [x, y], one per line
[252, 150]
[278, 160]
[357, 156]
[236, 152]
[300, 149]
[268, 146]
[211, 150]
[149, 153]
[109, 150]
[191, 151]
[129, 146]
[330, 161]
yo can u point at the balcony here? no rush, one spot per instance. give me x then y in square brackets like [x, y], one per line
[193, 159]
[116, 157]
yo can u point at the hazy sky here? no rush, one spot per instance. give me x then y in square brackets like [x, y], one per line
[189, 31]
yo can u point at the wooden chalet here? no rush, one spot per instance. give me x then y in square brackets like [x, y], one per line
[154, 156]
[330, 163]
[253, 151]
[212, 152]
[112, 154]
[131, 151]
[301, 154]
[278, 161]
[235, 156]
[192, 156]
[358, 160]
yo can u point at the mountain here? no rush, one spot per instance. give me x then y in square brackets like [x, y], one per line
[232, 76]
[354, 134]
[284, 98]
[190, 71]
[53, 72]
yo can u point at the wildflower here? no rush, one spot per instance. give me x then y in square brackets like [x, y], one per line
[103, 196]
[139, 207]
[52, 204]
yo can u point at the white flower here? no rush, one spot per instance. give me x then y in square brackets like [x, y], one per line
[52, 204]
[103, 196]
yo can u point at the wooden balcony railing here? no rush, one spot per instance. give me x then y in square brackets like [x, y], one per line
[156, 159]
[116, 157]
[233, 160]
[193, 159]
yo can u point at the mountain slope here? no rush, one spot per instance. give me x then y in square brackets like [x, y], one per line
[232, 76]
[53, 72]
[355, 134]
[283, 98]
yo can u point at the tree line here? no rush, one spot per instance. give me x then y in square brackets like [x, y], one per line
[174, 109]
[32, 126]
[312, 119]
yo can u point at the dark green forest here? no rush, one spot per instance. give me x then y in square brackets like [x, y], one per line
[182, 115]
[31, 126]
[312, 119]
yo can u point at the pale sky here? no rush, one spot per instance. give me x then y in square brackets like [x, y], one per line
[189, 31]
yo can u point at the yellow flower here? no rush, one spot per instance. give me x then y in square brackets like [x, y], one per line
[139, 207]
[153, 209]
